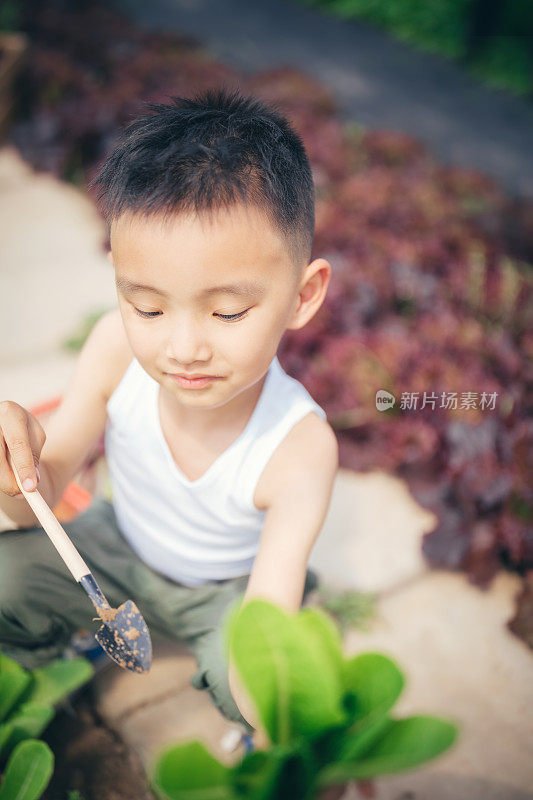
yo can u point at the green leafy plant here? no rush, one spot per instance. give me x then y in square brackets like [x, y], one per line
[27, 700]
[327, 717]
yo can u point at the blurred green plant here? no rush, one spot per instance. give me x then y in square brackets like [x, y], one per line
[493, 44]
[349, 608]
[9, 15]
[326, 716]
[77, 340]
[27, 700]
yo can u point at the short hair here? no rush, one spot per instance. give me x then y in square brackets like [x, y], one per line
[201, 154]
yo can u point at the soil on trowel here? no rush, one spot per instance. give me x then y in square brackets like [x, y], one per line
[107, 614]
[90, 757]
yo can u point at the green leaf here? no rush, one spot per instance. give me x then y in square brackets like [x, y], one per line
[190, 772]
[284, 772]
[374, 682]
[28, 722]
[57, 679]
[297, 775]
[405, 744]
[28, 771]
[13, 682]
[256, 777]
[323, 635]
[287, 667]
[339, 743]
[6, 732]
[359, 739]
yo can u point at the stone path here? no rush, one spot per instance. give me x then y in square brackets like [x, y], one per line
[379, 81]
[448, 637]
[53, 268]
[460, 662]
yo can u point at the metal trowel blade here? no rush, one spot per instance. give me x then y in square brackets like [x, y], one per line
[126, 639]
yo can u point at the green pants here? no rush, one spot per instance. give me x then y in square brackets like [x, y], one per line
[41, 605]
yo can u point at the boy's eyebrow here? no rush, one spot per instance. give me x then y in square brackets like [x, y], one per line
[238, 288]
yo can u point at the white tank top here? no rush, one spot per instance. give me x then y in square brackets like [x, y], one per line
[209, 528]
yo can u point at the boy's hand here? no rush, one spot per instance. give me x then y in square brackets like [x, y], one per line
[23, 436]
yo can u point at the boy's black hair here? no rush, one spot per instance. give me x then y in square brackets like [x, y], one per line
[211, 151]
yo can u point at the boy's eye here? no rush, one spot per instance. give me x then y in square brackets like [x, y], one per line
[145, 313]
[229, 317]
[240, 315]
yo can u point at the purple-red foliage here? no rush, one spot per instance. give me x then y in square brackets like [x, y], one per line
[430, 290]
[424, 297]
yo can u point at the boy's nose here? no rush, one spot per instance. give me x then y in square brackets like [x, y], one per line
[188, 344]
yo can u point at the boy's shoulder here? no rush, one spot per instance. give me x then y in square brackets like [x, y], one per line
[118, 353]
[310, 444]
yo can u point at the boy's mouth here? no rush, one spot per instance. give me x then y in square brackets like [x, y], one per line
[191, 376]
[193, 382]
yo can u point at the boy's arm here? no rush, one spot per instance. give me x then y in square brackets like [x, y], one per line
[77, 424]
[300, 498]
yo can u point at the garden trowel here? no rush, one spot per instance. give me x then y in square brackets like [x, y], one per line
[124, 634]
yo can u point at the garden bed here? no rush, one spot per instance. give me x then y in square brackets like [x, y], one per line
[90, 758]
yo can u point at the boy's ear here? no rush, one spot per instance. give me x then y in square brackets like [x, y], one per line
[110, 258]
[311, 293]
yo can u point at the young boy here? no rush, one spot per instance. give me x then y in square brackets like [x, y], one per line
[221, 465]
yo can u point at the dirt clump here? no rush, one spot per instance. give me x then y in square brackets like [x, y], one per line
[107, 614]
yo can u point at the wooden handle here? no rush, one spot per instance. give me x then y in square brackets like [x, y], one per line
[57, 535]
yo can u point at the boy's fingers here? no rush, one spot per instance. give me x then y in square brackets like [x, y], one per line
[20, 459]
[17, 458]
[7, 481]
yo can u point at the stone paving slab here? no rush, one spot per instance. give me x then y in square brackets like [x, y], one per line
[461, 662]
[53, 270]
[121, 693]
[371, 537]
[179, 718]
[153, 711]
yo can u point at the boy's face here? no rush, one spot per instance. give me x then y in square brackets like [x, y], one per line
[185, 259]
